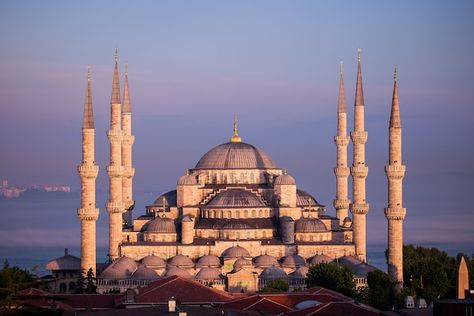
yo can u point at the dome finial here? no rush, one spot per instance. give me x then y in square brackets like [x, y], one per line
[235, 136]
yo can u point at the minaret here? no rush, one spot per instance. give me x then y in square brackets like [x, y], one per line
[115, 205]
[359, 170]
[88, 212]
[341, 202]
[127, 143]
[395, 172]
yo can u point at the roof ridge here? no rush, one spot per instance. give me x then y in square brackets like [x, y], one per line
[278, 303]
[253, 304]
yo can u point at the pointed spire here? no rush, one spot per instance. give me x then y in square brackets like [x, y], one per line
[127, 108]
[359, 97]
[395, 120]
[235, 137]
[116, 83]
[88, 115]
[342, 98]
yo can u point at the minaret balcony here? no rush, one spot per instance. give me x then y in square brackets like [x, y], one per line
[359, 171]
[395, 171]
[115, 171]
[128, 172]
[88, 213]
[341, 204]
[115, 135]
[115, 207]
[88, 171]
[359, 137]
[342, 172]
[359, 208]
[128, 140]
[341, 140]
[395, 213]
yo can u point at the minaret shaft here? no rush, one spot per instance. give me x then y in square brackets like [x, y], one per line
[115, 205]
[88, 213]
[359, 171]
[341, 202]
[395, 212]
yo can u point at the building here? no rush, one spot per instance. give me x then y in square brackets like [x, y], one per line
[235, 220]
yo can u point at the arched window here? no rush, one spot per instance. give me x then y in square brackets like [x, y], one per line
[222, 214]
[246, 214]
[229, 214]
[213, 214]
[252, 178]
[237, 235]
[242, 178]
[311, 238]
[254, 214]
[264, 234]
[237, 214]
[260, 213]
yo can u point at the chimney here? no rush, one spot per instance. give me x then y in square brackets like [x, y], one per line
[171, 305]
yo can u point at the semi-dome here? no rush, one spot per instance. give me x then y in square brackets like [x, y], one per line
[178, 272]
[235, 155]
[273, 273]
[304, 199]
[208, 261]
[161, 225]
[301, 272]
[188, 179]
[236, 198]
[166, 199]
[285, 179]
[144, 273]
[235, 252]
[208, 274]
[180, 261]
[293, 261]
[240, 263]
[317, 259]
[122, 268]
[309, 225]
[154, 261]
[265, 261]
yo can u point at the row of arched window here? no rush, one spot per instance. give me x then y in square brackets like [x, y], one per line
[237, 214]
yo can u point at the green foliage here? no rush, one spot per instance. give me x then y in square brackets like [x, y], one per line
[275, 286]
[80, 283]
[90, 285]
[13, 279]
[380, 290]
[333, 277]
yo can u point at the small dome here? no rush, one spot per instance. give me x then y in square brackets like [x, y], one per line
[304, 199]
[301, 272]
[188, 179]
[284, 179]
[273, 273]
[241, 262]
[161, 225]
[319, 259]
[167, 199]
[309, 225]
[187, 219]
[144, 273]
[236, 198]
[122, 268]
[208, 261]
[286, 219]
[180, 261]
[208, 274]
[293, 261]
[153, 261]
[265, 261]
[178, 272]
[347, 222]
[235, 155]
[235, 252]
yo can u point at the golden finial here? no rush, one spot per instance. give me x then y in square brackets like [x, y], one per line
[126, 69]
[88, 72]
[116, 55]
[395, 73]
[235, 136]
[359, 51]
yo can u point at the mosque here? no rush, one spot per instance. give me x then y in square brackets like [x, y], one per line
[235, 220]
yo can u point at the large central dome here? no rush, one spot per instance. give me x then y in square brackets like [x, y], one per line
[235, 155]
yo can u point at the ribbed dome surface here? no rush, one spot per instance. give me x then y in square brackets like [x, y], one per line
[208, 274]
[161, 225]
[309, 225]
[265, 261]
[188, 180]
[241, 262]
[235, 155]
[236, 198]
[301, 272]
[235, 252]
[293, 261]
[319, 259]
[305, 199]
[209, 261]
[285, 179]
[167, 199]
[180, 261]
[144, 273]
[154, 261]
[178, 272]
[273, 273]
[122, 268]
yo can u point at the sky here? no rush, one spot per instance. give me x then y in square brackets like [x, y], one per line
[275, 64]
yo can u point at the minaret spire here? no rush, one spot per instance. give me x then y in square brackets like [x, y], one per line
[126, 95]
[235, 136]
[359, 170]
[115, 99]
[395, 212]
[88, 213]
[341, 202]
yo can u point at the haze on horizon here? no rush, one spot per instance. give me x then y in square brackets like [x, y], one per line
[275, 64]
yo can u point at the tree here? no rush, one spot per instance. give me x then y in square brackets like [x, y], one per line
[13, 279]
[275, 286]
[90, 286]
[380, 292]
[333, 277]
[80, 283]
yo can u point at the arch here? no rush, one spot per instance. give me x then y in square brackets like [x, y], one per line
[242, 177]
[246, 214]
[237, 214]
[252, 178]
[254, 213]
[260, 213]
[229, 214]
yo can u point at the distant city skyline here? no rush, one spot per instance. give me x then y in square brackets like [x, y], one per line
[274, 64]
